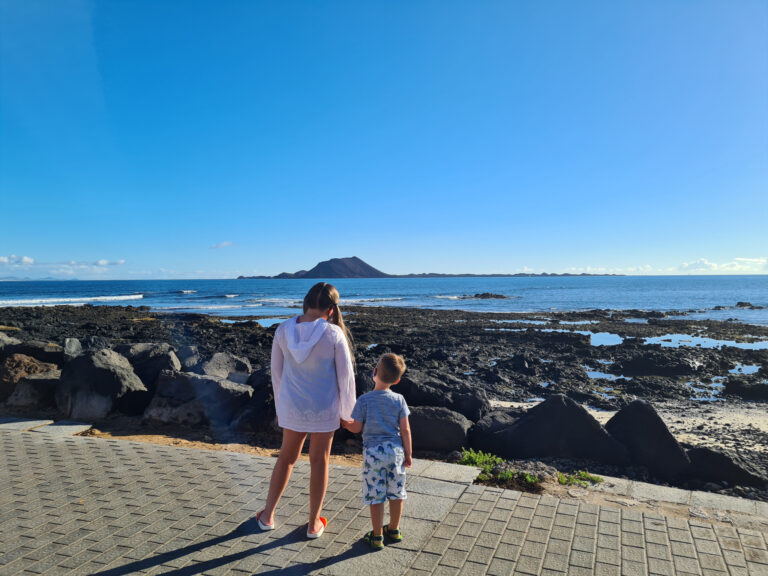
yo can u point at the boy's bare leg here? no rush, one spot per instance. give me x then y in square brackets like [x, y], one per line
[319, 455]
[395, 511]
[377, 518]
[289, 452]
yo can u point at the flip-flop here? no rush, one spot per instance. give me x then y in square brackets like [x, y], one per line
[319, 533]
[262, 526]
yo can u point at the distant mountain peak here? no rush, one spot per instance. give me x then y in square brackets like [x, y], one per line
[352, 267]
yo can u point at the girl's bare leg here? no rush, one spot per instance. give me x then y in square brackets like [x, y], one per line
[319, 455]
[289, 453]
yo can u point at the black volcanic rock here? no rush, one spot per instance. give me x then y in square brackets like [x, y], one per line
[720, 465]
[650, 443]
[438, 429]
[352, 267]
[560, 428]
[421, 389]
[484, 296]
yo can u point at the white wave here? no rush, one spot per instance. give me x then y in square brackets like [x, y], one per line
[443, 297]
[69, 301]
[279, 301]
[231, 295]
[188, 291]
[193, 307]
[359, 300]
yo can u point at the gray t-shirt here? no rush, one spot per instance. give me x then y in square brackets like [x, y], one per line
[380, 412]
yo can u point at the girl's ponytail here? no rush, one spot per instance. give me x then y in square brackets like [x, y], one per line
[324, 296]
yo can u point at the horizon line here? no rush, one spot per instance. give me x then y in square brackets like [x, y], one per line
[411, 276]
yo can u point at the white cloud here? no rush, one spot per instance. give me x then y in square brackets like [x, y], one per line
[738, 265]
[700, 265]
[221, 245]
[69, 269]
[104, 262]
[17, 261]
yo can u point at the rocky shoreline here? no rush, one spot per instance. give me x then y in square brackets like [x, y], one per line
[471, 379]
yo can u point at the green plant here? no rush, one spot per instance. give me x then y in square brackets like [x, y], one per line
[518, 477]
[490, 474]
[517, 480]
[484, 461]
[506, 475]
[578, 478]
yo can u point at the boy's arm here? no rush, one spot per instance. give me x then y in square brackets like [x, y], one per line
[405, 434]
[352, 425]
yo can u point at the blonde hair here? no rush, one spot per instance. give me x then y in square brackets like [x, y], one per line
[390, 368]
[324, 296]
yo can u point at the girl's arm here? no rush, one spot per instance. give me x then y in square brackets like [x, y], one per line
[276, 368]
[345, 378]
[405, 434]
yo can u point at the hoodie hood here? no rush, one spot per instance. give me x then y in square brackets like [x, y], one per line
[300, 338]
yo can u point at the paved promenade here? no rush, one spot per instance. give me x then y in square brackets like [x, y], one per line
[75, 505]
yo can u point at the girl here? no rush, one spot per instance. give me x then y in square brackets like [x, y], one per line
[314, 387]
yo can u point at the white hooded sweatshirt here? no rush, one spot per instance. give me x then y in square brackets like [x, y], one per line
[312, 376]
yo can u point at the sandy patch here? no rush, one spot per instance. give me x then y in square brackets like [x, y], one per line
[183, 438]
[699, 424]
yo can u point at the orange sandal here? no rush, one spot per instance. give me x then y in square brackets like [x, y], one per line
[262, 526]
[313, 535]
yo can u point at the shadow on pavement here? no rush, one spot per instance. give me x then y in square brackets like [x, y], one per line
[247, 528]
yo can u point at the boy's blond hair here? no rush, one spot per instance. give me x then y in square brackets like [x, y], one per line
[390, 368]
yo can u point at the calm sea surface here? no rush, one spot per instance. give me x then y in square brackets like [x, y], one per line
[540, 294]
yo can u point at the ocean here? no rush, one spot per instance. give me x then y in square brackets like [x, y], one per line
[280, 298]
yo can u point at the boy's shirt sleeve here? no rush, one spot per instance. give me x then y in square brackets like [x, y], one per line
[358, 412]
[404, 410]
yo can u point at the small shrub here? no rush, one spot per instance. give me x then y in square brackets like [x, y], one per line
[578, 478]
[490, 473]
[517, 480]
[484, 461]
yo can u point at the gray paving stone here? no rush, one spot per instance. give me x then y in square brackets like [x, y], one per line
[431, 487]
[86, 506]
[424, 507]
[652, 492]
[722, 502]
[450, 472]
[63, 428]
[21, 424]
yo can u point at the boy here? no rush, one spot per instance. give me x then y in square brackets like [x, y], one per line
[382, 415]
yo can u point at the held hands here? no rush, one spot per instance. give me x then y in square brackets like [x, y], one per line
[352, 425]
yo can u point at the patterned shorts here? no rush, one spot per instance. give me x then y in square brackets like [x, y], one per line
[383, 473]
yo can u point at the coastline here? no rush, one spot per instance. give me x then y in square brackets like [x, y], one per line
[505, 355]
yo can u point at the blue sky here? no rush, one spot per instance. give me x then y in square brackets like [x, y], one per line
[172, 139]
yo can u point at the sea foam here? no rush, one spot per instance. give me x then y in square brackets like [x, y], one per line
[68, 301]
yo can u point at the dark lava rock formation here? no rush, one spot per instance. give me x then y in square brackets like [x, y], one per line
[558, 427]
[198, 371]
[650, 443]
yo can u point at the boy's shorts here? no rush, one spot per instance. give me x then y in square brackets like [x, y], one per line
[383, 473]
